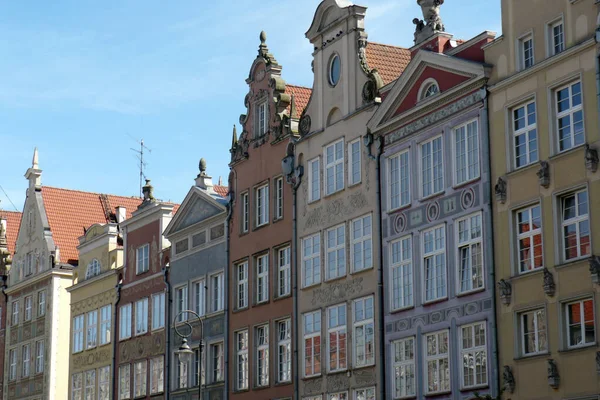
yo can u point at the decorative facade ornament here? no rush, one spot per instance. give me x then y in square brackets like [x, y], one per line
[509, 379]
[591, 158]
[431, 22]
[147, 191]
[500, 190]
[505, 291]
[544, 174]
[304, 124]
[553, 377]
[595, 269]
[370, 90]
[549, 285]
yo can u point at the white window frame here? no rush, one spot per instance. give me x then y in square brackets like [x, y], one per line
[311, 262]
[104, 389]
[424, 92]
[437, 358]
[26, 360]
[217, 362]
[404, 367]
[245, 212]
[536, 331]
[577, 221]
[182, 377]
[399, 177]
[217, 293]
[241, 346]
[278, 198]
[125, 321]
[431, 165]
[93, 269]
[15, 313]
[527, 131]
[471, 155]
[262, 278]
[89, 383]
[362, 241]
[336, 252]
[12, 359]
[140, 381]
[523, 64]
[39, 356]
[41, 303]
[471, 352]
[435, 252]
[141, 316]
[28, 314]
[367, 393]
[199, 360]
[581, 303]
[470, 244]
[354, 162]
[338, 329]
[551, 36]
[338, 396]
[142, 259]
[570, 113]
[363, 323]
[262, 343]
[284, 271]
[105, 317]
[91, 329]
[262, 119]
[199, 293]
[78, 328]
[334, 165]
[241, 271]
[530, 236]
[314, 179]
[401, 273]
[310, 335]
[284, 350]
[158, 310]
[77, 386]
[181, 303]
[261, 205]
[124, 381]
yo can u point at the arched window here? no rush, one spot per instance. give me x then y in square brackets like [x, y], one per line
[429, 88]
[93, 269]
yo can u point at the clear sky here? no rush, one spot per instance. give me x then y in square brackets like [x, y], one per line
[83, 80]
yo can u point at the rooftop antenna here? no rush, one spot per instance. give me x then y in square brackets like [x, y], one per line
[140, 157]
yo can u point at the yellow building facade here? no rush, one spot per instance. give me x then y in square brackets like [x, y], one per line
[544, 143]
[93, 297]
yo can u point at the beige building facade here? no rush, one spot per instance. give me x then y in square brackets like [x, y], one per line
[544, 140]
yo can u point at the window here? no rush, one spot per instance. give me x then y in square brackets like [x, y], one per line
[139, 378]
[78, 333]
[525, 134]
[470, 253]
[364, 332]
[399, 184]
[466, 152]
[431, 90]
[141, 316]
[404, 368]
[335, 68]
[245, 211]
[283, 272]
[533, 332]
[434, 263]
[93, 269]
[557, 37]
[90, 384]
[312, 343]
[354, 174]
[105, 324]
[41, 303]
[438, 362]
[216, 363]
[569, 116]
[362, 257]
[319, 397]
[12, 372]
[262, 355]
[28, 305]
[92, 329]
[262, 278]
[104, 383]
[39, 357]
[181, 303]
[279, 198]
[432, 168]
[364, 394]
[77, 387]
[158, 311]
[142, 259]
[311, 260]
[284, 351]
[336, 337]
[529, 238]
[262, 205]
[125, 322]
[473, 351]
[575, 225]
[336, 252]
[526, 45]
[216, 292]
[314, 182]
[199, 361]
[241, 344]
[581, 329]
[29, 264]
[262, 119]
[242, 285]
[338, 396]
[182, 374]
[26, 353]
[157, 378]
[124, 382]
[402, 273]
[15, 313]
[334, 167]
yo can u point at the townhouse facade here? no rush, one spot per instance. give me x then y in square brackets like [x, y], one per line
[141, 323]
[93, 295]
[339, 273]
[260, 233]
[196, 274]
[543, 113]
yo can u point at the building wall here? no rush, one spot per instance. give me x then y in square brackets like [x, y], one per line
[510, 89]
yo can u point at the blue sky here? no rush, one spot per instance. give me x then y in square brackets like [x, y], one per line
[83, 80]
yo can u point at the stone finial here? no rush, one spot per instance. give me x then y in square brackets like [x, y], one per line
[203, 181]
[505, 291]
[509, 379]
[553, 376]
[500, 190]
[35, 161]
[431, 22]
[263, 50]
[544, 174]
[549, 285]
[147, 191]
[202, 167]
[591, 158]
[263, 37]
[234, 138]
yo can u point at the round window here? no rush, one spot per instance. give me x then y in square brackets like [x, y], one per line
[335, 69]
[431, 90]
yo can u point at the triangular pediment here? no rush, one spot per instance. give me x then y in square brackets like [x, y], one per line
[197, 207]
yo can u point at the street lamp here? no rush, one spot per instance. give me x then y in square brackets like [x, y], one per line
[184, 353]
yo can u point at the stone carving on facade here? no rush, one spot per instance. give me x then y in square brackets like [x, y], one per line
[431, 22]
[88, 358]
[591, 158]
[336, 383]
[553, 376]
[549, 285]
[500, 190]
[364, 377]
[595, 269]
[508, 380]
[505, 291]
[141, 347]
[370, 90]
[544, 174]
[313, 386]
[337, 291]
[304, 124]
[335, 210]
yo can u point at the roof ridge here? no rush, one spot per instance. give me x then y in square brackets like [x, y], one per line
[388, 45]
[88, 192]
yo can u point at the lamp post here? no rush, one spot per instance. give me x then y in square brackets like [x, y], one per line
[185, 353]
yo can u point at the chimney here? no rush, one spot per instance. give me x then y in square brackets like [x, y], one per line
[121, 214]
[203, 181]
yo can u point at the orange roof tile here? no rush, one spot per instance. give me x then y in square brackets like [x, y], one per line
[221, 190]
[13, 221]
[390, 61]
[301, 96]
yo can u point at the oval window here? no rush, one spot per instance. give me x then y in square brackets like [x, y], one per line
[335, 69]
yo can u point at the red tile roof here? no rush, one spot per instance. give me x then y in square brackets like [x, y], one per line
[221, 190]
[13, 221]
[390, 61]
[301, 96]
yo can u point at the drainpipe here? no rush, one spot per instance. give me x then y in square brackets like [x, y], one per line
[226, 305]
[116, 315]
[598, 65]
[167, 376]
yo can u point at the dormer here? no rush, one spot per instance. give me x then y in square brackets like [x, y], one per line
[100, 250]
